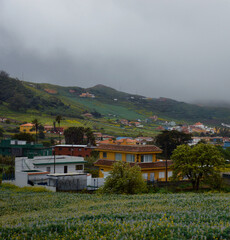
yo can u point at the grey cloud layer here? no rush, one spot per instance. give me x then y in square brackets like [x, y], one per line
[177, 49]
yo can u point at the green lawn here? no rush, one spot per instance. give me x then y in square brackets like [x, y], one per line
[45, 215]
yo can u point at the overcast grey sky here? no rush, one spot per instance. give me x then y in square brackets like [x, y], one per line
[178, 49]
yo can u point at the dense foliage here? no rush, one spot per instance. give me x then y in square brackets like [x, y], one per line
[43, 215]
[24, 136]
[125, 179]
[169, 140]
[201, 162]
[1, 132]
[79, 135]
[21, 98]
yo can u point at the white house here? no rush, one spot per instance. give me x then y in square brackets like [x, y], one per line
[35, 170]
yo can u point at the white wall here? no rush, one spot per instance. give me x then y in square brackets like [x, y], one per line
[59, 168]
[94, 182]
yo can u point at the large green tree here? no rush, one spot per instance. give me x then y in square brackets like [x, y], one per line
[24, 136]
[79, 135]
[89, 136]
[169, 140]
[74, 135]
[201, 162]
[125, 179]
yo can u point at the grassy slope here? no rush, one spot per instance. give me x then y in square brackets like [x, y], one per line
[39, 215]
[127, 106]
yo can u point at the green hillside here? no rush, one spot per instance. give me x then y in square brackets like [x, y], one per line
[27, 98]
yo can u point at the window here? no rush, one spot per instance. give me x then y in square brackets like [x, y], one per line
[147, 158]
[145, 176]
[104, 154]
[65, 169]
[161, 174]
[169, 174]
[130, 158]
[47, 169]
[60, 148]
[79, 167]
[118, 156]
[152, 177]
[79, 149]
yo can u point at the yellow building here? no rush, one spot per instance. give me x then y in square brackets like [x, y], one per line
[142, 155]
[27, 128]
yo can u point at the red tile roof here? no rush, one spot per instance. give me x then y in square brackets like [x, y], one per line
[129, 148]
[159, 164]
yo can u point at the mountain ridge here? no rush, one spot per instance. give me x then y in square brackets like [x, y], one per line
[52, 99]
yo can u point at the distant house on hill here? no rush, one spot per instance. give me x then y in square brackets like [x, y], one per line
[88, 115]
[87, 95]
[199, 125]
[144, 140]
[27, 128]
[72, 91]
[124, 121]
[154, 118]
[2, 119]
[51, 91]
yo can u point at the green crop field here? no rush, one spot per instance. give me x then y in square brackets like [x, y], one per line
[26, 214]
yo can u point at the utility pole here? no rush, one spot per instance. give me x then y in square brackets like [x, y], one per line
[166, 163]
[54, 159]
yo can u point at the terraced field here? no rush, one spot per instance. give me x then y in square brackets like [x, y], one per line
[26, 214]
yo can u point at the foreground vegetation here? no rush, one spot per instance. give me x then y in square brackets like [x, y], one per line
[26, 214]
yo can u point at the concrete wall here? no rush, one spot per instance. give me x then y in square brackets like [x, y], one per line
[23, 163]
[69, 183]
[21, 179]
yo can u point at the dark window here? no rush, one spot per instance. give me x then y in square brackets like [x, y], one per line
[65, 169]
[60, 149]
[104, 154]
[79, 167]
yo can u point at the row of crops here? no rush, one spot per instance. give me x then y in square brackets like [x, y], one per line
[45, 215]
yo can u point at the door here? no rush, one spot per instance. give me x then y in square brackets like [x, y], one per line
[65, 169]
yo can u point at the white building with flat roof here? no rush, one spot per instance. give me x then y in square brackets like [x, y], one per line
[35, 170]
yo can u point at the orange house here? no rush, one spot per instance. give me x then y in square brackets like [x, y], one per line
[145, 156]
[27, 128]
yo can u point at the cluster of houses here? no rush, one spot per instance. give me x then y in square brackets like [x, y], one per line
[195, 128]
[62, 167]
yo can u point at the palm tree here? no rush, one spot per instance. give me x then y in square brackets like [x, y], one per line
[58, 120]
[36, 126]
